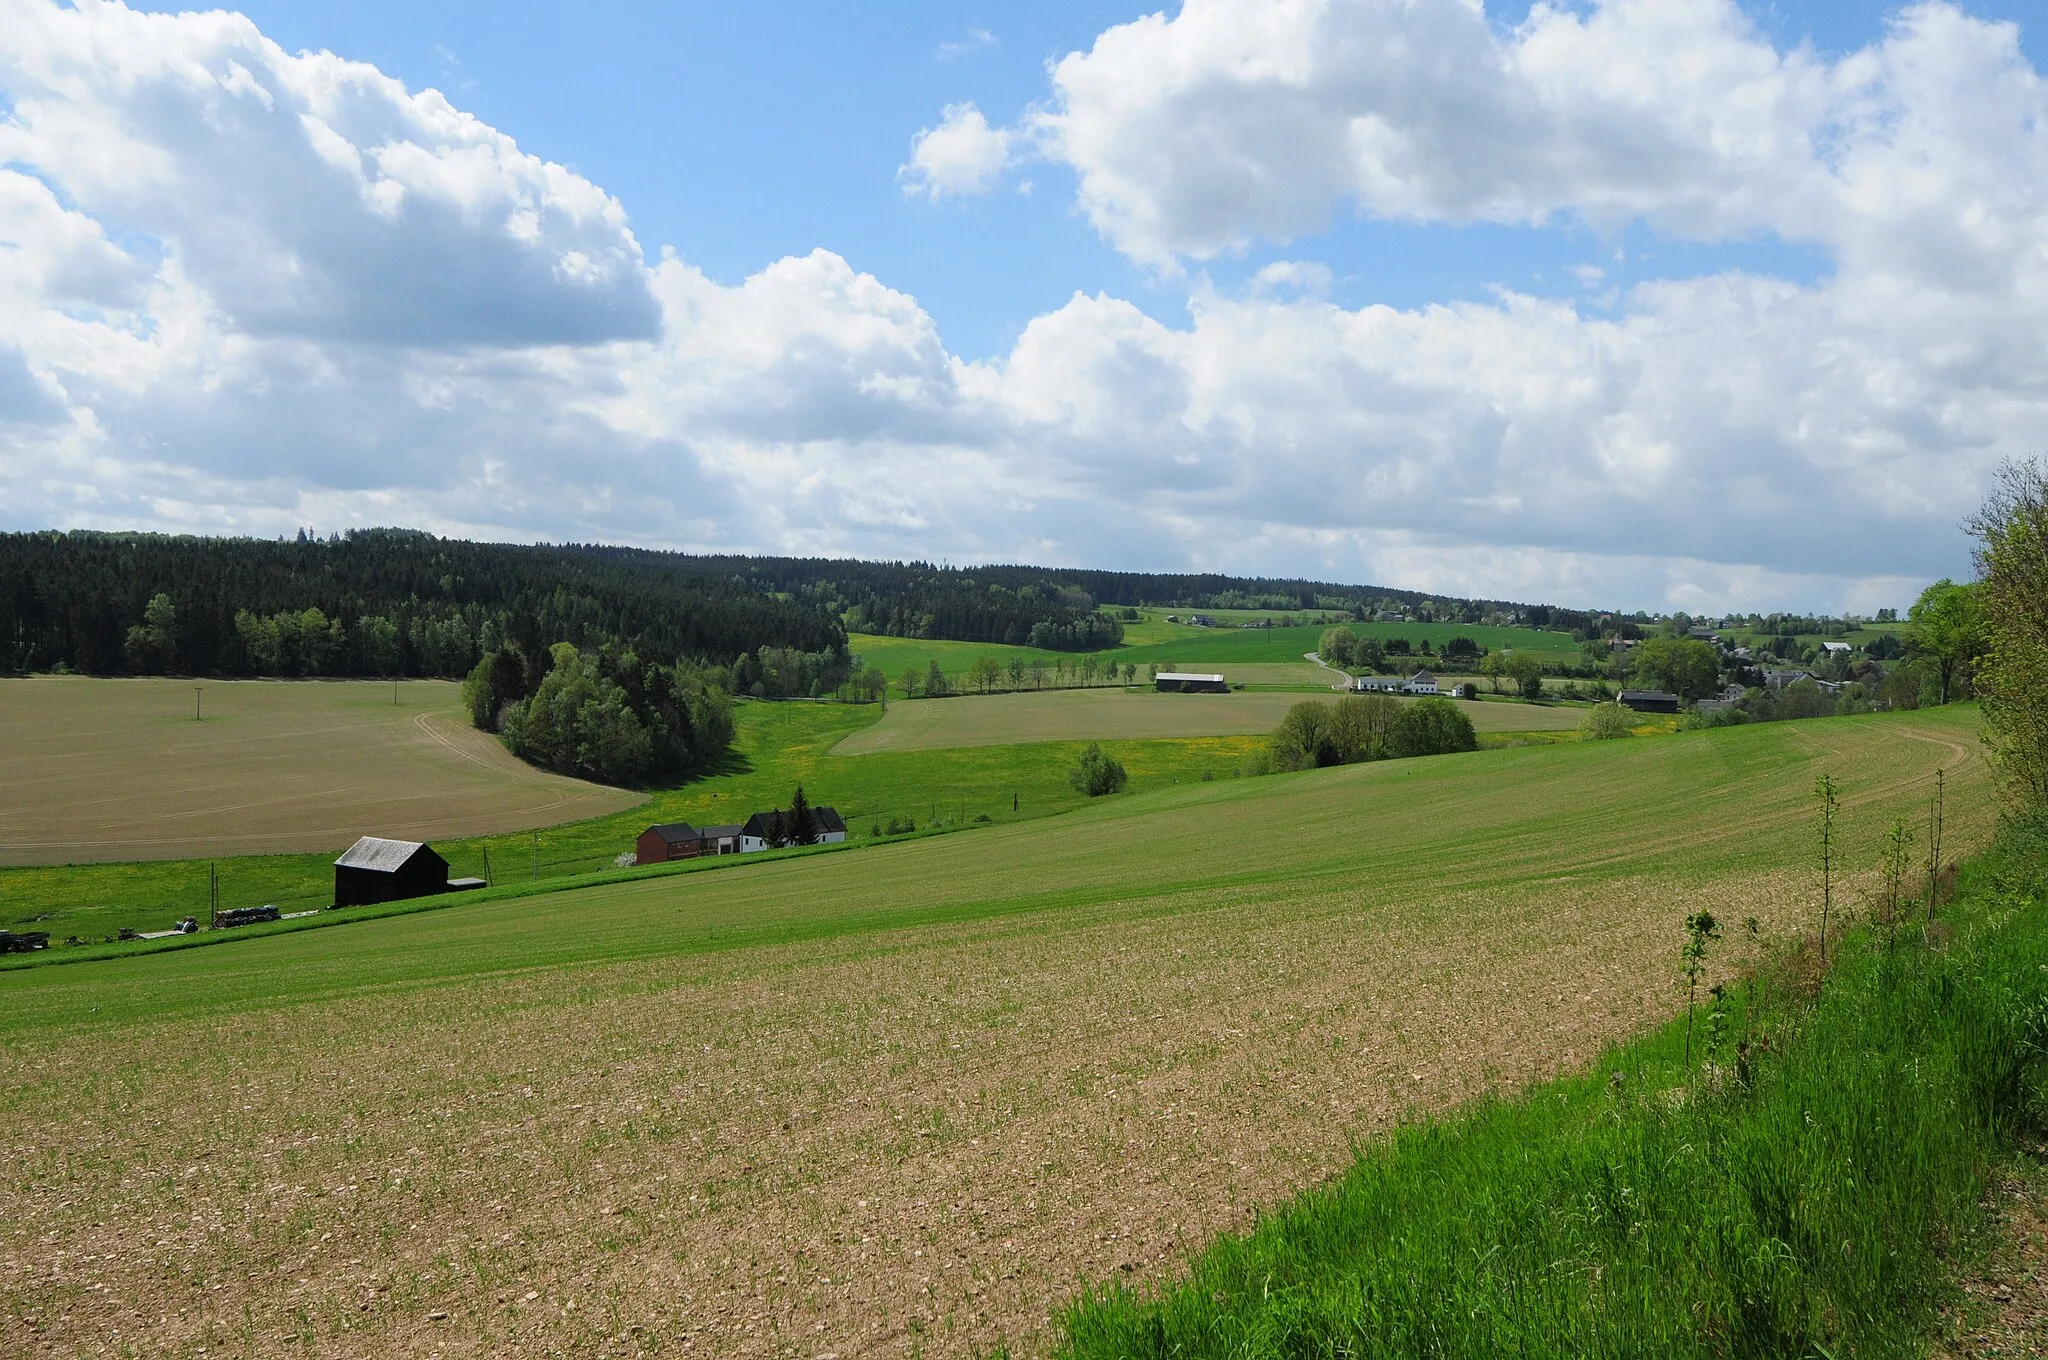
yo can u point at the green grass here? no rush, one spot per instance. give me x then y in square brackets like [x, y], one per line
[1707, 802]
[1109, 715]
[951, 1072]
[1641, 1209]
[1156, 642]
[778, 746]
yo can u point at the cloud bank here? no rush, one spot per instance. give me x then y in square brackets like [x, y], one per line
[242, 289]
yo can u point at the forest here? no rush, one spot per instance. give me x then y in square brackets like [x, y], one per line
[372, 602]
[398, 602]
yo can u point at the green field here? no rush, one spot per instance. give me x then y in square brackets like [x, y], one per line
[779, 745]
[1228, 649]
[121, 770]
[885, 1100]
[1109, 715]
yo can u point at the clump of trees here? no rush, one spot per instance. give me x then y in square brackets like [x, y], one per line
[1684, 666]
[1097, 772]
[1360, 727]
[605, 715]
[1346, 650]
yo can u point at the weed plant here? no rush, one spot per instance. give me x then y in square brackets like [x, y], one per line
[1800, 1208]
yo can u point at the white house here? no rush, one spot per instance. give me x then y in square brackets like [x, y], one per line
[830, 829]
[1837, 648]
[1422, 682]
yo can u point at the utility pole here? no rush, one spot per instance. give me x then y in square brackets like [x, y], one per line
[487, 866]
[195, 702]
[536, 854]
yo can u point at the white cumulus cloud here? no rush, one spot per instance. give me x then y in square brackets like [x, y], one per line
[242, 289]
[963, 155]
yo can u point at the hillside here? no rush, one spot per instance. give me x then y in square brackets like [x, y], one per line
[888, 1099]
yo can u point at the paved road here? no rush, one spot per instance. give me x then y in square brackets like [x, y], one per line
[1343, 681]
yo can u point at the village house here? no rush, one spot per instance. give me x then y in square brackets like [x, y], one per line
[1422, 682]
[759, 831]
[679, 840]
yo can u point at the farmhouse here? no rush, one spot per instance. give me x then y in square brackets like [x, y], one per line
[1422, 682]
[1188, 682]
[671, 841]
[1780, 679]
[378, 870]
[1836, 648]
[761, 830]
[1648, 700]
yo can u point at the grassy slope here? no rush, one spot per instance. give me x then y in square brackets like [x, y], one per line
[1071, 715]
[1157, 642]
[1641, 1209]
[779, 746]
[1706, 803]
[890, 1099]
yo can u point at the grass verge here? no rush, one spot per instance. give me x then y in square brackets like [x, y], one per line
[1805, 1207]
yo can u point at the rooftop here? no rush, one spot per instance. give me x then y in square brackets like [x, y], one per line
[374, 852]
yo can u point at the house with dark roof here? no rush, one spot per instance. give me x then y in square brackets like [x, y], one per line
[669, 841]
[378, 870]
[761, 830]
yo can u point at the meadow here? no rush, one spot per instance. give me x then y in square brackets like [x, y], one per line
[1235, 651]
[778, 746]
[889, 1100]
[1109, 715]
[95, 770]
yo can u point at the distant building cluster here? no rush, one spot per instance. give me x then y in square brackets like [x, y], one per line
[762, 831]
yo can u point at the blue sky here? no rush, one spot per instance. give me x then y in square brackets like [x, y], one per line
[1649, 303]
[743, 133]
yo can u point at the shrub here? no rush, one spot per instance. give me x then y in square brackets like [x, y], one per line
[1606, 722]
[1097, 773]
[1432, 727]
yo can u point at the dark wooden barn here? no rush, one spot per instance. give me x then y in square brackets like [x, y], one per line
[377, 870]
[1649, 701]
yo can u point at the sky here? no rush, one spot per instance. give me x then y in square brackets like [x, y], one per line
[1643, 304]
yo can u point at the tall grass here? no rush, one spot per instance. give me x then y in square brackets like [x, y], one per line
[1804, 1211]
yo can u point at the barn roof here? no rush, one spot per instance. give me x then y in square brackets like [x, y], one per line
[674, 831]
[374, 852]
[712, 833]
[1185, 675]
[829, 818]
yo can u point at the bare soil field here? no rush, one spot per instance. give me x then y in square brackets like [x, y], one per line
[1115, 714]
[95, 770]
[967, 1074]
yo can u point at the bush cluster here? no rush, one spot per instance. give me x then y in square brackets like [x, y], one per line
[605, 715]
[1097, 772]
[1361, 727]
